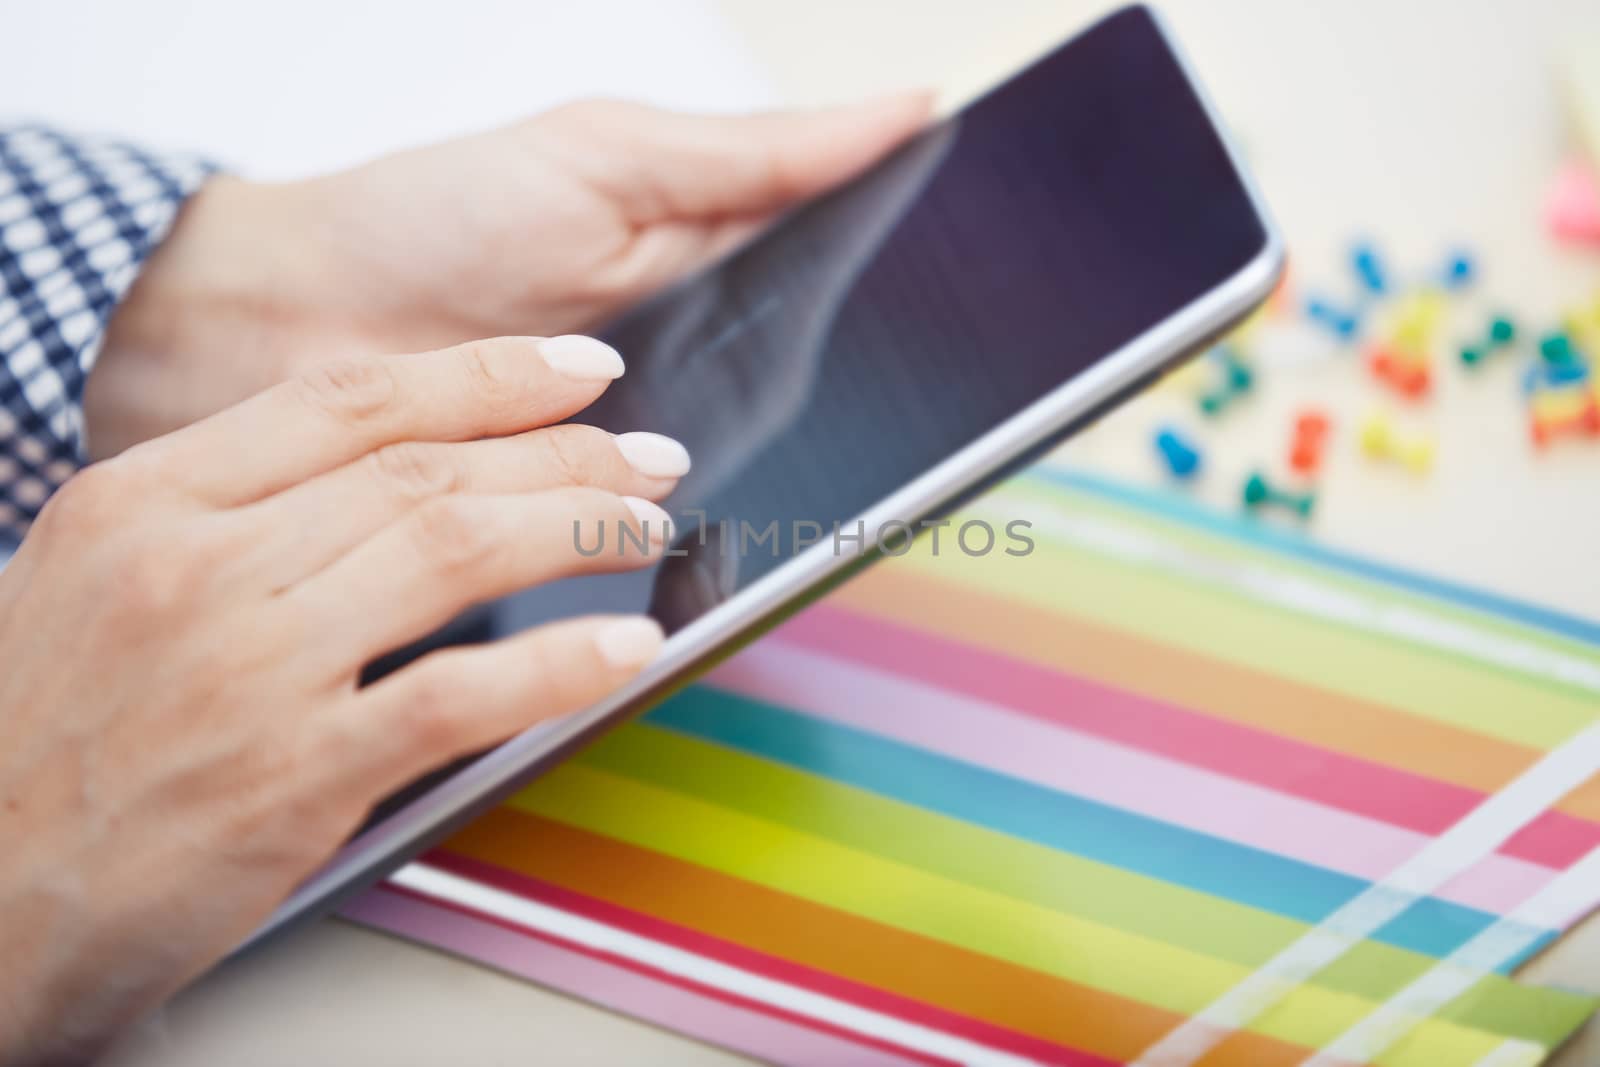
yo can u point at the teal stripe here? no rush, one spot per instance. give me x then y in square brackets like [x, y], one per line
[1034, 813]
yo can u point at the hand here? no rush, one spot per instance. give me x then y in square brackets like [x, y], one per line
[181, 736]
[549, 226]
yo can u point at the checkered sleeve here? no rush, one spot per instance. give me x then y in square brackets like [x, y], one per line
[78, 217]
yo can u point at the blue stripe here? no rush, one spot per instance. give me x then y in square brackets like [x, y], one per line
[1288, 543]
[1056, 820]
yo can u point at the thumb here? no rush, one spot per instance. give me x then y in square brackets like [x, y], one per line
[671, 166]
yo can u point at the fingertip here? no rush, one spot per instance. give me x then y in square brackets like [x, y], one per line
[835, 144]
[654, 455]
[907, 108]
[653, 520]
[581, 358]
[886, 118]
[629, 643]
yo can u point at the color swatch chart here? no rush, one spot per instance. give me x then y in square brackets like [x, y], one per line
[1171, 788]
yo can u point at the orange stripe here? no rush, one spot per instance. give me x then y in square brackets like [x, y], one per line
[1187, 679]
[835, 942]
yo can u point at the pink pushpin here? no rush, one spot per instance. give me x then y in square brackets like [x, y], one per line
[1573, 210]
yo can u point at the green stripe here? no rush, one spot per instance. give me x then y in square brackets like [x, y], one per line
[1244, 554]
[1233, 628]
[1060, 881]
[1277, 542]
[1066, 946]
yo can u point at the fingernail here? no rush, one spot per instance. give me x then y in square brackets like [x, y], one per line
[654, 455]
[656, 523]
[629, 643]
[582, 358]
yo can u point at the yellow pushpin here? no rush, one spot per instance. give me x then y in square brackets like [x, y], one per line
[1417, 320]
[1379, 441]
[1583, 324]
[1559, 405]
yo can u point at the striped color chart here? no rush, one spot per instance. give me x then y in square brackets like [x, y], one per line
[1173, 788]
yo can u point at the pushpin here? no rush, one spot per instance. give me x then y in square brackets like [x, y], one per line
[1181, 456]
[1572, 211]
[1417, 322]
[1545, 377]
[1310, 434]
[1582, 324]
[1578, 417]
[1557, 348]
[1344, 325]
[1559, 405]
[1369, 269]
[1459, 270]
[1379, 441]
[1405, 372]
[1259, 493]
[1237, 380]
[1502, 331]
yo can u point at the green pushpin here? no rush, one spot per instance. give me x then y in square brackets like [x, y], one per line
[1502, 331]
[1213, 402]
[1557, 348]
[1258, 493]
[1237, 379]
[1240, 378]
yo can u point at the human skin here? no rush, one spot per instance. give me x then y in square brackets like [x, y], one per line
[182, 733]
[550, 226]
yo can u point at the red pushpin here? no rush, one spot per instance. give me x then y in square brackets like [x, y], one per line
[1310, 435]
[1405, 373]
[1583, 423]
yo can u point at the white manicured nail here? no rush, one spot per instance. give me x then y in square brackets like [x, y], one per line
[629, 643]
[654, 521]
[654, 455]
[582, 358]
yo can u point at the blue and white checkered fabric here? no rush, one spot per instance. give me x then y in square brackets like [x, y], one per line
[77, 219]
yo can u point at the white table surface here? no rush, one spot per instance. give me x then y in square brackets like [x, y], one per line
[1422, 123]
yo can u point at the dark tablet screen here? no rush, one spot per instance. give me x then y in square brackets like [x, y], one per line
[878, 330]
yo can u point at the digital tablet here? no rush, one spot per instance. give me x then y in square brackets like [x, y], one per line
[886, 351]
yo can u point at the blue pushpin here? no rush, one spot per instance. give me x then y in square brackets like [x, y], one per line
[1343, 324]
[1182, 458]
[1459, 270]
[1369, 268]
[1544, 375]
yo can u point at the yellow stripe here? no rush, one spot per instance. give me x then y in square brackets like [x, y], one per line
[1076, 582]
[1068, 947]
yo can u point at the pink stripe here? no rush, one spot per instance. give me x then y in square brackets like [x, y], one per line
[1387, 794]
[648, 996]
[768, 966]
[1071, 761]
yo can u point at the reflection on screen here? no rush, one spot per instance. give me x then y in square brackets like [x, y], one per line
[875, 332]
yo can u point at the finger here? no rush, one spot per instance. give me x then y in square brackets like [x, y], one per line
[663, 253]
[452, 703]
[334, 512]
[340, 412]
[706, 166]
[455, 551]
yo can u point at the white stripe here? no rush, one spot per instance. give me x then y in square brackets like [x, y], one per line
[1514, 1053]
[1301, 593]
[487, 900]
[1476, 835]
[1508, 939]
